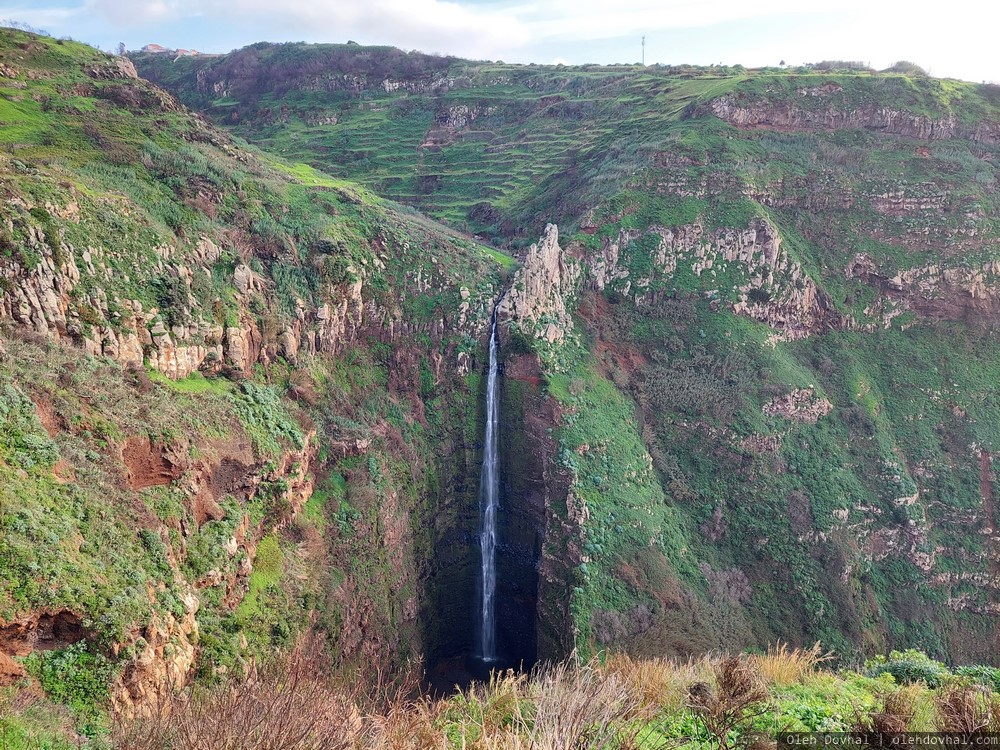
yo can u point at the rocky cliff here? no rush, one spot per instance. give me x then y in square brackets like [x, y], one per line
[234, 395]
[828, 107]
[541, 295]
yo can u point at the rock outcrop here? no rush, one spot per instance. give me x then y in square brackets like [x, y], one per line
[801, 405]
[63, 296]
[543, 287]
[165, 651]
[951, 289]
[838, 115]
[756, 276]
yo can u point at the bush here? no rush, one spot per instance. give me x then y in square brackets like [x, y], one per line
[893, 714]
[906, 68]
[737, 701]
[74, 676]
[262, 414]
[287, 702]
[23, 440]
[908, 667]
[987, 676]
[966, 710]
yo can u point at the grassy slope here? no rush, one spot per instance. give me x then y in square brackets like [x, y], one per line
[93, 163]
[528, 137]
[525, 124]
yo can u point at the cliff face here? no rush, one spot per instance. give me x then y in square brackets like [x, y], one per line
[781, 331]
[62, 298]
[541, 295]
[234, 394]
[769, 286]
[826, 108]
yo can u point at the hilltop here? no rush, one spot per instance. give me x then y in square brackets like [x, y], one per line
[486, 145]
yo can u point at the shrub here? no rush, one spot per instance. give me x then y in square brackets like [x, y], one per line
[261, 412]
[963, 709]
[906, 68]
[893, 715]
[988, 676]
[23, 440]
[285, 703]
[908, 667]
[74, 675]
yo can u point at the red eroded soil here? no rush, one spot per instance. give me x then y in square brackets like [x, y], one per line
[147, 464]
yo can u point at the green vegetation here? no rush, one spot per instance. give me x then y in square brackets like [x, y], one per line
[193, 384]
[266, 420]
[615, 703]
[76, 677]
[909, 667]
[139, 500]
[775, 416]
[501, 141]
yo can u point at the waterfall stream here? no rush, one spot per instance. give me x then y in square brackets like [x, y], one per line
[489, 498]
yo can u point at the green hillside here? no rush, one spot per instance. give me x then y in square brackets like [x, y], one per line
[233, 390]
[749, 394]
[503, 148]
[777, 375]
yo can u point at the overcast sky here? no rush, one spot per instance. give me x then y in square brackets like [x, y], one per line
[952, 39]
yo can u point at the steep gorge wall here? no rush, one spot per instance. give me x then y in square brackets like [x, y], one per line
[536, 558]
[747, 273]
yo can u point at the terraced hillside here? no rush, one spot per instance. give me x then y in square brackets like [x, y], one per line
[763, 336]
[470, 143]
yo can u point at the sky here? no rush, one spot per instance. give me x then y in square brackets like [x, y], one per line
[956, 39]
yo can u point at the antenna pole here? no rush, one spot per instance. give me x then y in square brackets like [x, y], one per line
[644, 52]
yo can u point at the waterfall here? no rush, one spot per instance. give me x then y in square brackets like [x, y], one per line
[489, 498]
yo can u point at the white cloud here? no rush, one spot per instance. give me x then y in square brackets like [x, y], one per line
[955, 39]
[430, 25]
[38, 17]
[595, 19]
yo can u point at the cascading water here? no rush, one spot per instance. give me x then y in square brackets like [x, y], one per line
[489, 498]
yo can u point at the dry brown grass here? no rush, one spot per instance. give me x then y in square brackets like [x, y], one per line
[894, 713]
[730, 707]
[577, 707]
[659, 684]
[278, 705]
[966, 709]
[567, 706]
[782, 665]
[289, 703]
